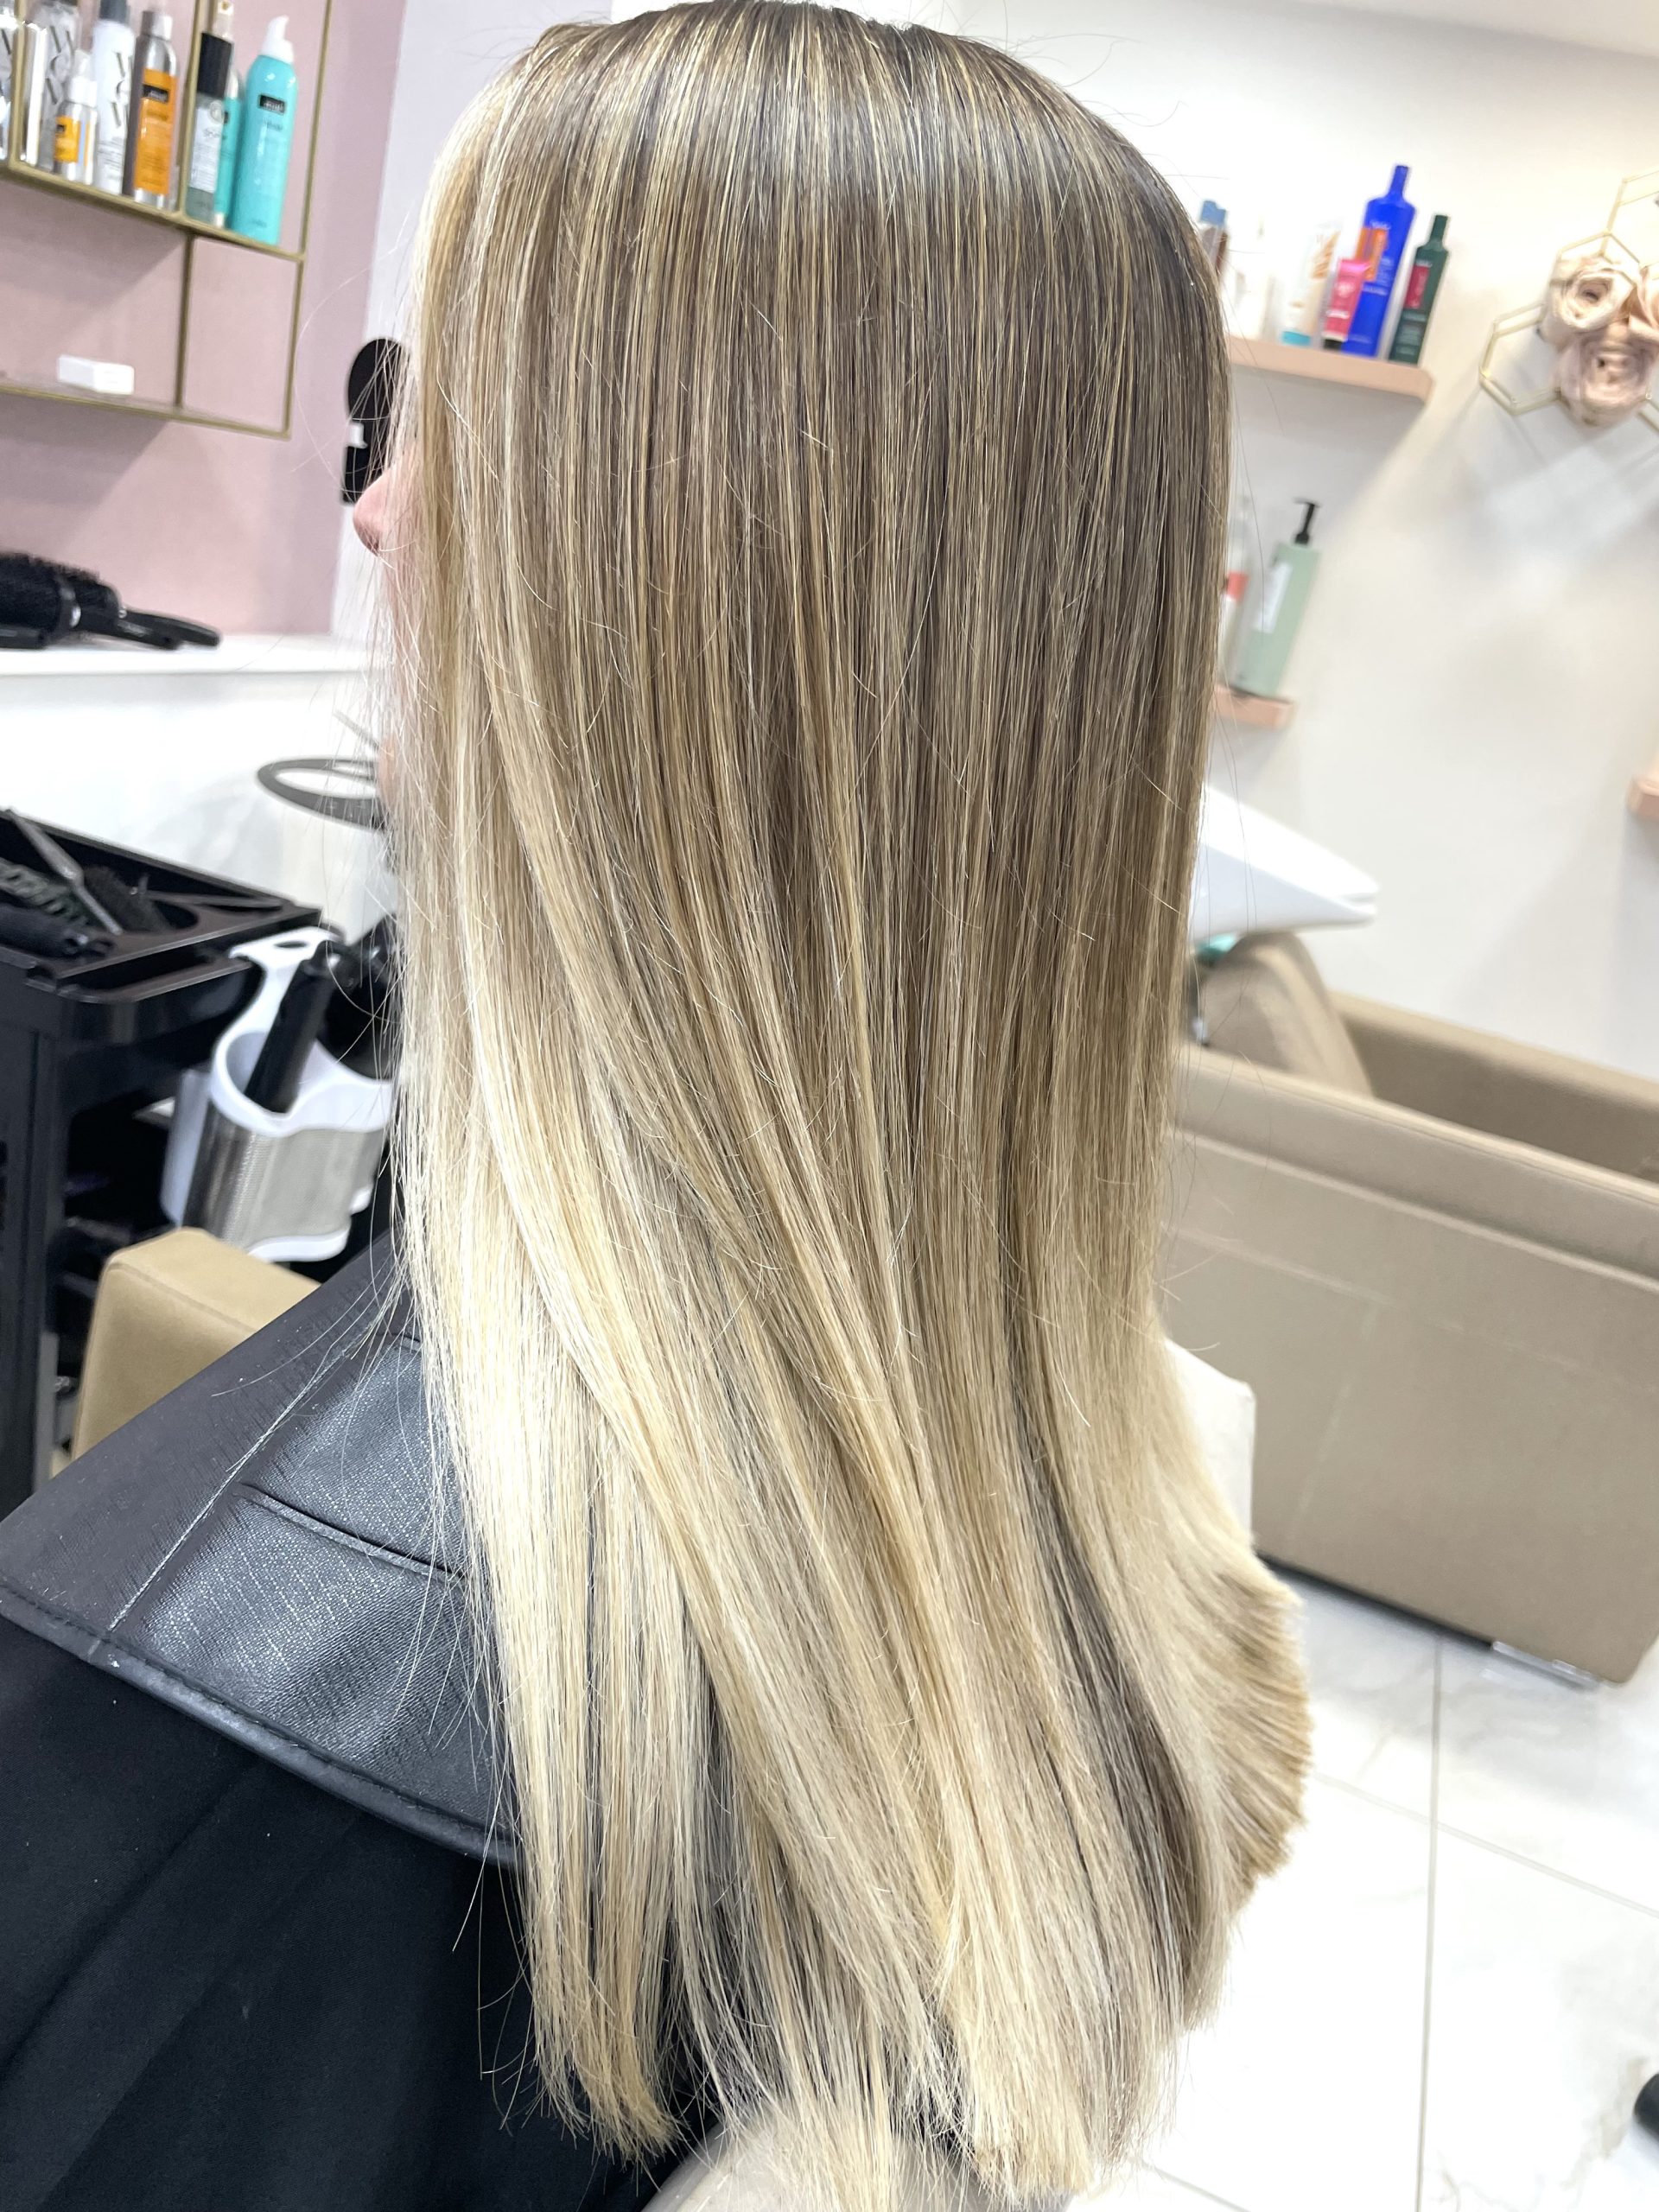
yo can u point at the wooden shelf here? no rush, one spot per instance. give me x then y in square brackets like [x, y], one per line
[171, 218]
[1248, 712]
[1313, 365]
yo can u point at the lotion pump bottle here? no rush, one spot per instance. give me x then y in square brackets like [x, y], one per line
[1235, 586]
[1285, 590]
[267, 138]
[112, 44]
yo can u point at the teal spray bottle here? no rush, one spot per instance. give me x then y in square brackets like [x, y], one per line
[268, 100]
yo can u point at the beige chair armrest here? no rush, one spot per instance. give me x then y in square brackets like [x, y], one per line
[1544, 1099]
[1466, 1175]
[165, 1309]
[1459, 1420]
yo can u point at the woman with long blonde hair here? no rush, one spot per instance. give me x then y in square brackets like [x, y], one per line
[802, 565]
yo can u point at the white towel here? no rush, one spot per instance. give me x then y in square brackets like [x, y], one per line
[1644, 302]
[1605, 377]
[1586, 293]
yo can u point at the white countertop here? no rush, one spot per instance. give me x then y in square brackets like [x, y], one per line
[243, 655]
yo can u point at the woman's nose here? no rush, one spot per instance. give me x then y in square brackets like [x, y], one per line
[369, 516]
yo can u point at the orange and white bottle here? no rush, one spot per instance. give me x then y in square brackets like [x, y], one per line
[153, 112]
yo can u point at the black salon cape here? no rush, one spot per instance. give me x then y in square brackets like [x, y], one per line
[222, 1990]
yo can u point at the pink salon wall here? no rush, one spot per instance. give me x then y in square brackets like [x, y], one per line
[239, 532]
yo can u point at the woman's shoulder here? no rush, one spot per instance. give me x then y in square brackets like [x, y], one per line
[274, 1549]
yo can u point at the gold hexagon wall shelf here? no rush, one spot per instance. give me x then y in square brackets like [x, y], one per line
[1521, 377]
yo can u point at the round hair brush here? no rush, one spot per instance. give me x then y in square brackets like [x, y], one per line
[43, 602]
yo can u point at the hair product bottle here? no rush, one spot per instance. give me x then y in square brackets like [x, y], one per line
[53, 40]
[1345, 289]
[1285, 591]
[267, 139]
[1305, 309]
[207, 128]
[9, 28]
[1422, 289]
[224, 27]
[1241, 542]
[1382, 241]
[76, 133]
[112, 45]
[23, 128]
[1246, 281]
[153, 122]
[1213, 234]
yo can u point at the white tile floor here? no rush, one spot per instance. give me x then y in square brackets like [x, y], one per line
[1448, 2000]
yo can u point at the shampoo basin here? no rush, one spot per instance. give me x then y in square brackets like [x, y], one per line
[1254, 873]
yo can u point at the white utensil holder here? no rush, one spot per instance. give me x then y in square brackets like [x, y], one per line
[283, 1186]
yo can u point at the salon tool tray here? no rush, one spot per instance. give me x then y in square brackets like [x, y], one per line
[144, 983]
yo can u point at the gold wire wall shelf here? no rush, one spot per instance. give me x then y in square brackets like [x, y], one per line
[192, 236]
[171, 218]
[1523, 373]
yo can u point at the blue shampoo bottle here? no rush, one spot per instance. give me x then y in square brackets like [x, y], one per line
[267, 139]
[1388, 226]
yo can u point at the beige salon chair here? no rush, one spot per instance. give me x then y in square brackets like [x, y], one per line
[165, 1309]
[1435, 1257]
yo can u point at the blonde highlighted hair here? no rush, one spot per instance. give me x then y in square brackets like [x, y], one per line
[814, 462]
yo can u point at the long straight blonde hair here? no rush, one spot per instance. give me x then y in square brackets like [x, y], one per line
[814, 454]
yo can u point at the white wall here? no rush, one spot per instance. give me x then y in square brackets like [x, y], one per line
[1626, 26]
[448, 54]
[1478, 676]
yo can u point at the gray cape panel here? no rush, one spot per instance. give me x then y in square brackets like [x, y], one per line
[271, 1550]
